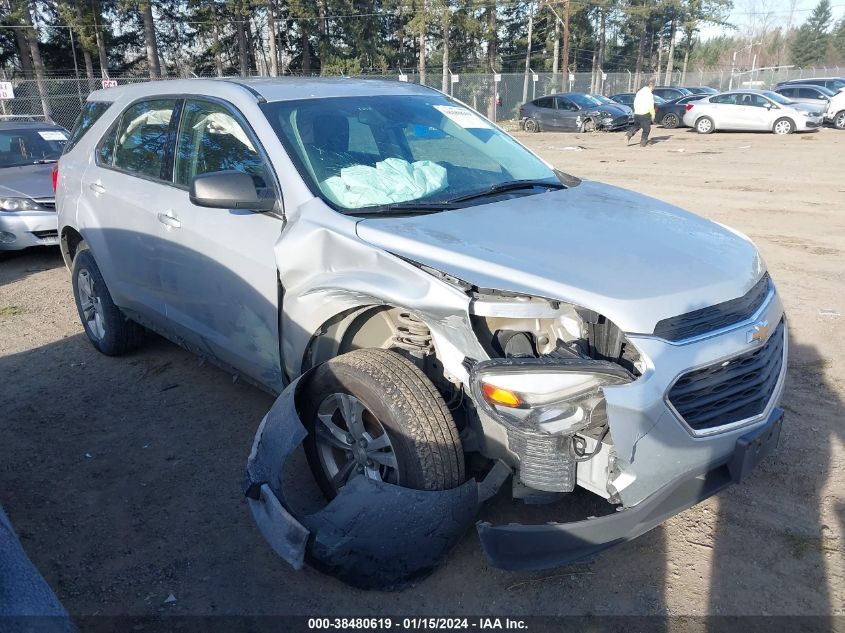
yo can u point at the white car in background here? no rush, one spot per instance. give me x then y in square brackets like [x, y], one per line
[752, 110]
[833, 103]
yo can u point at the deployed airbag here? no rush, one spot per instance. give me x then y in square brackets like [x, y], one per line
[391, 180]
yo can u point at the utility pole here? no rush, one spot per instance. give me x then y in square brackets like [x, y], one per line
[565, 70]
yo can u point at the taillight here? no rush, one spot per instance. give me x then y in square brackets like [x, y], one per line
[689, 107]
[55, 175]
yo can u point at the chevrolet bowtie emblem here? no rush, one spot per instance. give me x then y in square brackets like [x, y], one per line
[759, 333]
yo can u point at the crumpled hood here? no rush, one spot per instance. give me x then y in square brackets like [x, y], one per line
[27, 181]
[630, 257]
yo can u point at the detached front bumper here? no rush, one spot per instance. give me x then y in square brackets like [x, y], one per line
[531, 547]
[22, 229]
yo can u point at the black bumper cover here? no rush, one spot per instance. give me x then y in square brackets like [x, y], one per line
[532, 547]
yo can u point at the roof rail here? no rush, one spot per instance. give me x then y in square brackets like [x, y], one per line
[259, 97]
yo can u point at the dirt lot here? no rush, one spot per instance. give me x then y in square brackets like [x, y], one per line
[123, 475]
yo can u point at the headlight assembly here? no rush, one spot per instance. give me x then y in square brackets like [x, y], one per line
[19, 204]
[552, 396]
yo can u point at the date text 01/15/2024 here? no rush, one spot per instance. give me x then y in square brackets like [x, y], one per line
[417, 623]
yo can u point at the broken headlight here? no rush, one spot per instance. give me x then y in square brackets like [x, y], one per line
[556, 398]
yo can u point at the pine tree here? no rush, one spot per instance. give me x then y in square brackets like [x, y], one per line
[811, 41]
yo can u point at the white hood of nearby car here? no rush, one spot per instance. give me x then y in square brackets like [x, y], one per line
[632, 258]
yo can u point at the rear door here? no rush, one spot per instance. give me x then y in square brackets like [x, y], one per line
[124, 186]
[219, 273]
[723, 110]
[546, 113]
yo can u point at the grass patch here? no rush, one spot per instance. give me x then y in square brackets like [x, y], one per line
[11, 311]
[800, 544]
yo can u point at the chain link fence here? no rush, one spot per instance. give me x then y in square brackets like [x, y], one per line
[498, 96]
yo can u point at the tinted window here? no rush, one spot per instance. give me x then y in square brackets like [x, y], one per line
[104, 154]
[545, 102]
[788, 92]
[564, 104]
[808, 93]
[92, 111]
[26, 146]
[751, 100]
[142, 137]
[729, 99]
[211, 139]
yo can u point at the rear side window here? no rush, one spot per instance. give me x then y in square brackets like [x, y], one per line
[809, 93]
[92, 111]
[545, 102]
[143, 136]
[730, 99]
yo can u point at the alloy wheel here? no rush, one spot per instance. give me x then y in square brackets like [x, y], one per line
[783, 127]
[91, 305]
[350, 441]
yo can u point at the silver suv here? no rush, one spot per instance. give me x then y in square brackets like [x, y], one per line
[419, 288]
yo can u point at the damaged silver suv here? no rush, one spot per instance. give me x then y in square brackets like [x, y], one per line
[418, 288]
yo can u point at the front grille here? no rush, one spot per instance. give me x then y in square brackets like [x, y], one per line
[714, 317]
[47, 203]
[730, 391]
[42, 235]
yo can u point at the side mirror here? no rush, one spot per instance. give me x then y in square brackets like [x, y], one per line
[768, 106]
[228, 189]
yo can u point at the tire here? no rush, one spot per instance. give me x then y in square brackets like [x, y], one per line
[398, 410]
[839, 120]
[670, 120]
[108, 329]
[531, 126]
[705, 125]
[783, 126]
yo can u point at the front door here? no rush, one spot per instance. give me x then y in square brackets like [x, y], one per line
[219, 268]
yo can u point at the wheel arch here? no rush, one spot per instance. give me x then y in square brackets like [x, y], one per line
[69, 244]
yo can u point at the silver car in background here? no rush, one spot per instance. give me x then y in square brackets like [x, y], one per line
[28, 150]
[752, 111]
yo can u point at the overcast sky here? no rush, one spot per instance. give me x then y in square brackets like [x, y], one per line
[755, 15]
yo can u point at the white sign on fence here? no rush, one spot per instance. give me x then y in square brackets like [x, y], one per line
[571, 78]
[455, 78]
[403, 77]
[497, 77]
[6, 90]
[535, 77]
[109, 83]
[604, 76]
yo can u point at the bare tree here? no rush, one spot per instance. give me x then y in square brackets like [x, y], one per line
[146, 9]
[35, 53]
[445, 26]
[271, 36]
[528, 52]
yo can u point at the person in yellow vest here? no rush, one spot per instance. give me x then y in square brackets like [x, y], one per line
[643, 114]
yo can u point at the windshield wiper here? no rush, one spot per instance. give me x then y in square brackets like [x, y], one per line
[405, 208]
[512, 185]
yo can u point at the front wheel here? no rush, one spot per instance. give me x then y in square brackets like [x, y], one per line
[783, 127]
[839, 120]
[531, 126]
[705, 125]
[372, 413]
[108, 329]
[670, 121]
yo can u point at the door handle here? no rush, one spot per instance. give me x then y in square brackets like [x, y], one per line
[97, 188]
[169, 220]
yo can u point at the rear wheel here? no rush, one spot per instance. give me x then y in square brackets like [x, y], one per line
[372, 413]
[839, 120]
[670, 120]
[705, 125]
[108, 329]
[783, 126]
[531, 125]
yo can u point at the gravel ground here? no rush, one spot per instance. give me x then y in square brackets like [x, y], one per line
[122, 475]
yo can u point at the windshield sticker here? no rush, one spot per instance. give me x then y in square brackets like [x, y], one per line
[463, 117]
[52, 135]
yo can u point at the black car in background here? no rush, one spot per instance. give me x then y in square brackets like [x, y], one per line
[670, 92]
[571, 112]
[702, 90]
[670, 114]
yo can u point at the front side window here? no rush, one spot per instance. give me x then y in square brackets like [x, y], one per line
[92, 111]
[211, 139]
[27, 146]
[143, 136]
[729, 99]
[370, 151]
